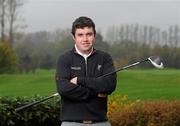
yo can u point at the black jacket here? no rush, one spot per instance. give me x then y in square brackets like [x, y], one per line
[80, 102]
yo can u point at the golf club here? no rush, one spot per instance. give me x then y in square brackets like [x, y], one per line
[154, 60]
[35, 102]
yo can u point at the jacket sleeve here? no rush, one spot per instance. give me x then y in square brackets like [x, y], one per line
[105, 84]
[67, 89]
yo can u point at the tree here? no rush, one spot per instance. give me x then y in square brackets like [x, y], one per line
[100, 44]
[136, 30]
[176, 35]
[12, 16]
[145, 34]
[112, 35]
[122, 32]
[8, 59]
[170, 39]
[127, 32]
[2, 18]
[164, 37]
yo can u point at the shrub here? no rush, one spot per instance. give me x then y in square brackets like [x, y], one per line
[45, 114]
[149, 113]
[121, 112]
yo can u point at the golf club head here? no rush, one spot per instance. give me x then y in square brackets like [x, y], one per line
[156, 61]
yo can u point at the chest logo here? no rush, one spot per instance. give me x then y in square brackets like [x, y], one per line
[99, 67]
[75, 68]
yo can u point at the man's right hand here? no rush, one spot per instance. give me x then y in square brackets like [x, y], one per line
[102, 95]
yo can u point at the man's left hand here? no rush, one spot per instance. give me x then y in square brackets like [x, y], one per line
[74, 80]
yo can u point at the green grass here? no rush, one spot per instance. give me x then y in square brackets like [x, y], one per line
[40, 83]
[149, 84]
[136, 84]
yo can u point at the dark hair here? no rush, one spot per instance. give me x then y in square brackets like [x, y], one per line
[82, 22]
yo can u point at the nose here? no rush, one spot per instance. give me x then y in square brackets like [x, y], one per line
[85, 38]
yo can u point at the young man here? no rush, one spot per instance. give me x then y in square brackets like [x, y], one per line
[83, 92]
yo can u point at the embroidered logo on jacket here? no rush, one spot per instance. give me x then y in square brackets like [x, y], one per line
[75, 68]
[99, 67]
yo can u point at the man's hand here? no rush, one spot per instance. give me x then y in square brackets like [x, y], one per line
[74, 80]
[102, 95]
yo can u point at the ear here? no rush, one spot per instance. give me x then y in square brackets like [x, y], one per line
[94, 38]
[73, 37]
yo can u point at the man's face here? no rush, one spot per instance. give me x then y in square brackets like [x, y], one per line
[84, 39]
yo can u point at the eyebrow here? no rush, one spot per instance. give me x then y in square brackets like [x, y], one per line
[88, 33]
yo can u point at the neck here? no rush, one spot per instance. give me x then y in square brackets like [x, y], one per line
[88, 52]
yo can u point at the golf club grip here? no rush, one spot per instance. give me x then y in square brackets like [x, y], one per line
[34, 103]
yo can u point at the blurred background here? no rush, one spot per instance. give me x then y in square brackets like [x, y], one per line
[35, 32]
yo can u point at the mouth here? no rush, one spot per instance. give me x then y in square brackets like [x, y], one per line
[86, 44]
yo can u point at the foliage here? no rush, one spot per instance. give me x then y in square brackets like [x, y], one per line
[100, 43]
[121, 112]
[149, 113]
[37, 52]
[45, 114]
[43, 48]
[8, 59]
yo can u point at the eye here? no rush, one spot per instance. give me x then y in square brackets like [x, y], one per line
[89, 34]
[79, 35]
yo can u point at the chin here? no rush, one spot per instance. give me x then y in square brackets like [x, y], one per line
[87, 50]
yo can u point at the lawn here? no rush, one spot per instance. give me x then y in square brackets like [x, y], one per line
[149, 84]
[136, 84]
[40, 83]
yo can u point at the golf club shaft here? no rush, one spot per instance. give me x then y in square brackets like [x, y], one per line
[36, 102]
[56, 94]
[125, 67]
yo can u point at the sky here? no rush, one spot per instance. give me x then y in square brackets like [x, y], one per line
[48, 15]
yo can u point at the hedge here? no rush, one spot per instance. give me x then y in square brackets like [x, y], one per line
[121, 112]
[144, 113]
[44, 114]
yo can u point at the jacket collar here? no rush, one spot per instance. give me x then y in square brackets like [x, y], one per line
[92, 53]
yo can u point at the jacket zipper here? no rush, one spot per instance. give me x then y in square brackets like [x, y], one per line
[86, 66]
